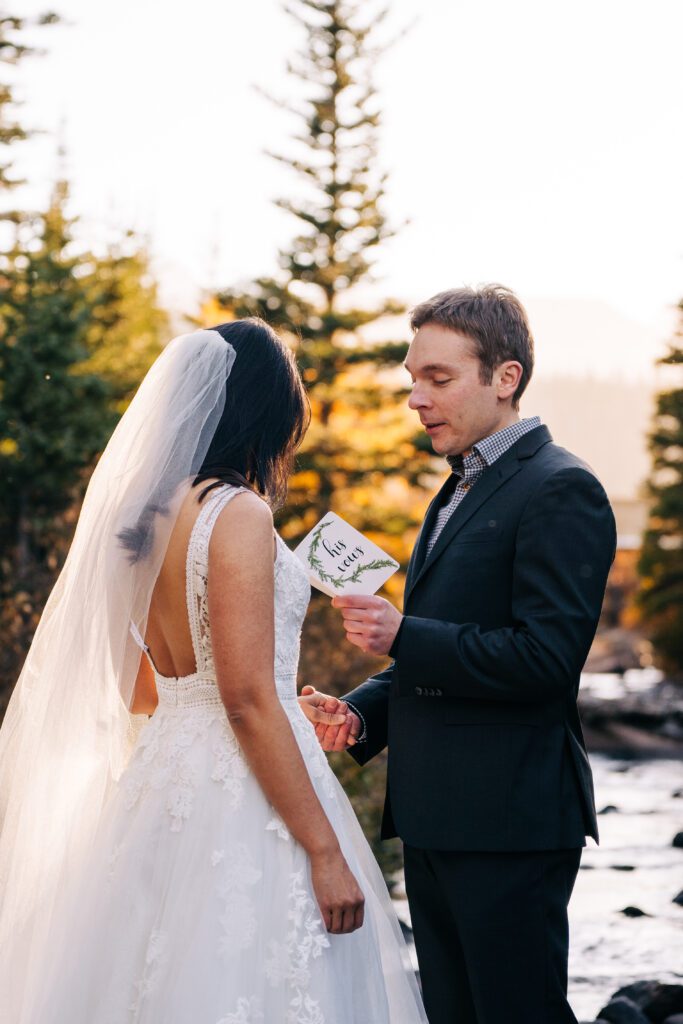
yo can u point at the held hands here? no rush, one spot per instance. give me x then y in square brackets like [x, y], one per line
[371, 623]
[336, 726]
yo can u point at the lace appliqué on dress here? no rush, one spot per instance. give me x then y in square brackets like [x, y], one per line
[248, 1012]
[276, 824]
[155, 956]
[237, 875]
[289, 961]
[230, 766]
[164, 760]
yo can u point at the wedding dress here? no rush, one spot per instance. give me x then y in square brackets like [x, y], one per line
[195, 904]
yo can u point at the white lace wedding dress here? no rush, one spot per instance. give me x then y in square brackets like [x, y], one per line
[196, 906]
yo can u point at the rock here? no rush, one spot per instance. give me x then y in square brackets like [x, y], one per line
[645, 720]
[621, 1010]
[676, 1019]
[654, 999]
[611, 809]
[678, 899]
[678, 841]
[677, 794]
[634, 912]
[622, 867]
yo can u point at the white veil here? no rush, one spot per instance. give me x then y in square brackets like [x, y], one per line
[67, 732]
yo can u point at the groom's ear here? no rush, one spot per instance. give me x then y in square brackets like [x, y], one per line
[506, 378]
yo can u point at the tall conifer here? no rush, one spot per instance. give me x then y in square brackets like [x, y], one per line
[360, 435]
[361, 456]
[13, 50]
[661, 562]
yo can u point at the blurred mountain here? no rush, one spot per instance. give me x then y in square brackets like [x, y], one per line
[577, 336]
[605, 422]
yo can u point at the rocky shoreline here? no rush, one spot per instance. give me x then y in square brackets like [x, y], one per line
[645, 1002]
[645, 722]
[628, 708]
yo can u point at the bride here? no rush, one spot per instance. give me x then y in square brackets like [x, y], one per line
[174, 848]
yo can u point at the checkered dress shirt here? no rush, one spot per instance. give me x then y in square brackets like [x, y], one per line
[467, 469]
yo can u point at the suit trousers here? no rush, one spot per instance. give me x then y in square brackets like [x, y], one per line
[491, 934]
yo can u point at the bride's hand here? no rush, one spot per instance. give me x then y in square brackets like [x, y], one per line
[336, 726]
[339, 897]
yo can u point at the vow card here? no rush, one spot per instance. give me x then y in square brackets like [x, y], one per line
[340, 560]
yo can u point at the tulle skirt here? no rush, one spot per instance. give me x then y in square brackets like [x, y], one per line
[195, 904]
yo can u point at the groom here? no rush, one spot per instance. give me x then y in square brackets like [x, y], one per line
[489, 784]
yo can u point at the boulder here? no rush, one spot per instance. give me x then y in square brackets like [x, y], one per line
[621, 1010]
[676, 1019]
[679, 899]
[678, 841]
[622, 867]
[611, 809]
[654, 999]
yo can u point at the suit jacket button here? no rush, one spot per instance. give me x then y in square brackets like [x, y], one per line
[418, 691]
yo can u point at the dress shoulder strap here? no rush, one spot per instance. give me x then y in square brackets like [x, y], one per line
[197, 572]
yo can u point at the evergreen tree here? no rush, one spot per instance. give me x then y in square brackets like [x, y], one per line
[361, 456]
[359, 435]
[661, 562]
[127, 326]
[77, 334]
[12, 51]
[54, 417]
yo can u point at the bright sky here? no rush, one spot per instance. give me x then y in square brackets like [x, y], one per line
[532, 143]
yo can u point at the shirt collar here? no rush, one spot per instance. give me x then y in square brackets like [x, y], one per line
[486, 451]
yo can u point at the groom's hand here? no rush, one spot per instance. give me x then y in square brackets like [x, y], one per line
[371, 623]
[336, 726]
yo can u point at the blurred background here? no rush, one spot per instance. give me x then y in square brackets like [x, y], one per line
[326, 164]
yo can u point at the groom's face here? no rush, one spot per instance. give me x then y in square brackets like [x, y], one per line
[455, 408]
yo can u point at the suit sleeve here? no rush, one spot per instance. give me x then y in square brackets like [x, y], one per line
[372, 700]
[565, 545]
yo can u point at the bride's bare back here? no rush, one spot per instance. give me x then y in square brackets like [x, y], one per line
[168, 629]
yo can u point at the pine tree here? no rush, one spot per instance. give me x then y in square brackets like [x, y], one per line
[12, 51]
[54, 418]
[361, 456]
[661, 562]
[127, 326]
[359, 435]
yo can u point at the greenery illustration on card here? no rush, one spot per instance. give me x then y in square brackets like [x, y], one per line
[340, 560]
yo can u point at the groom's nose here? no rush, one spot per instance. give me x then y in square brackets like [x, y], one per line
[418, 398]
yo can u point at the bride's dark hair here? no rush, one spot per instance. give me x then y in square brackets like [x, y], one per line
[265, 417]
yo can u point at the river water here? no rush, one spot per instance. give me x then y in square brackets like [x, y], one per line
[608, 949]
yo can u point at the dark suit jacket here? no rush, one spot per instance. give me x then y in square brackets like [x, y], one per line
[479, 708]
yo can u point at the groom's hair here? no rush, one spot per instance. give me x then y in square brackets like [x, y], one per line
[495, 320]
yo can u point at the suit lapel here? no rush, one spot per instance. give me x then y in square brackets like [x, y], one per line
[491, 479]
[420, 550]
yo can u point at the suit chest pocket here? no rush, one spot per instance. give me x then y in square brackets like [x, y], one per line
[481, 534]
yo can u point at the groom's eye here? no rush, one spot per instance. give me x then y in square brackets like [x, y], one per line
[443, 380]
